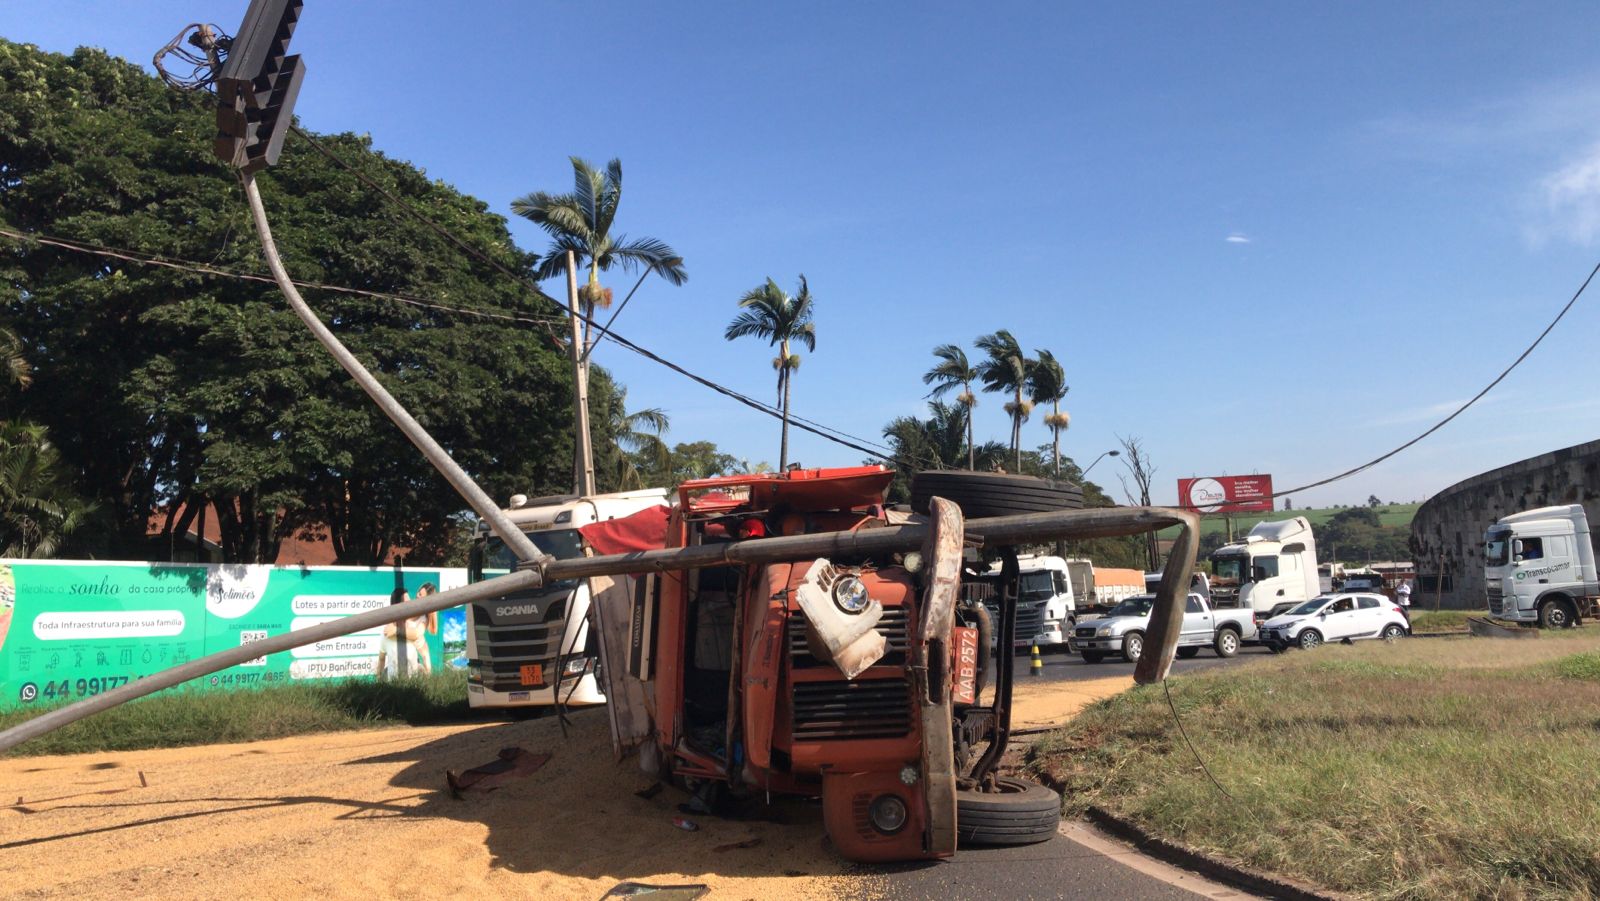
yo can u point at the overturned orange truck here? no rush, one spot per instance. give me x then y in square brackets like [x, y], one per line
[814, 650]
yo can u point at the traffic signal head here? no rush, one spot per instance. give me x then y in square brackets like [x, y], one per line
[257, 86]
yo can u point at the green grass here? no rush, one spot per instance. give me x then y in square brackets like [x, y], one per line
[1388, 515]
[1443, 620]
[1421, 769]
[194, 717]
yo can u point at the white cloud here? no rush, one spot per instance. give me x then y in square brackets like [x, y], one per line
[1237, 238]
[1571, 200]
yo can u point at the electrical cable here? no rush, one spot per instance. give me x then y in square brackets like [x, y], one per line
[1461, 409]
[183, 265]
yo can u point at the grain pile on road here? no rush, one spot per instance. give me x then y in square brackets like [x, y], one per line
[367, 814]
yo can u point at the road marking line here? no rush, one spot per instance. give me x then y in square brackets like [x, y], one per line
[1130, 857]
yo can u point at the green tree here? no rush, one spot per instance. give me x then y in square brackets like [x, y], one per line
[1047, 384]
[919, 444]
[636, 451]
[700, 460]
[1006, 371]
[782, 320]
[38, 509]
[179, 396]
[951, 372]
[581, 222]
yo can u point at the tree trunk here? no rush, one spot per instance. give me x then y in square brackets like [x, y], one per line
[1016, 432]
[783, 382]
[971, 451]
[1055, 436]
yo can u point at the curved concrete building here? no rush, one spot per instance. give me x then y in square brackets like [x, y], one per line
[1447, 533]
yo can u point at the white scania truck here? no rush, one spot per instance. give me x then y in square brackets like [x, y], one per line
[1275, 564]
[517, 644]
[1539, 567]
[1046, 608]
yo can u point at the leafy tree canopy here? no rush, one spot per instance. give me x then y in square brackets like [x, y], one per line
[176, 395]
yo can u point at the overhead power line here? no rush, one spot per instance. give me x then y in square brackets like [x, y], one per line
[183, 265]
[1463, 408]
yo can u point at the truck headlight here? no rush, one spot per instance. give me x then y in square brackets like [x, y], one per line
[1103, 631]
[850, 595]
[887, 814]
[576, 666]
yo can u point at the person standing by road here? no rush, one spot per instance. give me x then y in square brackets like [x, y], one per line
[1403, 595]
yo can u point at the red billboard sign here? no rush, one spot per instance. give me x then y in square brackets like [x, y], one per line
[1226, 494]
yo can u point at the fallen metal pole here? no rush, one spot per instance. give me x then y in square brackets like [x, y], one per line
[1166, 619]
[205, 666]
[516, 540]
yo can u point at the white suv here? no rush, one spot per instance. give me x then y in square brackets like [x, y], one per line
[1346, 616]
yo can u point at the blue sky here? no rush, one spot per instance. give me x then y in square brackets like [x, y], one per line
[1262, 238]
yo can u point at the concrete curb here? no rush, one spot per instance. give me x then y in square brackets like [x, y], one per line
[1210, 867]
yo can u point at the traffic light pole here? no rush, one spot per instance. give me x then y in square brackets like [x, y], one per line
[516, 540]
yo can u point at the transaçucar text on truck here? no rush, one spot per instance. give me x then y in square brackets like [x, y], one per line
[814, 653]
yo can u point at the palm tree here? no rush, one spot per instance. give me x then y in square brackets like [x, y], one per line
[638, 437]
[771, 314]
[1006, 370]
[18, 373]
[1047, 384]
[581, 222]
[37, 509]
[953, 370]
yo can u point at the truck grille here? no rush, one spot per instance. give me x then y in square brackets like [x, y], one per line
[831, 711]
[1029, 618]
[1496, 600]
[893, 626]
[504, 649]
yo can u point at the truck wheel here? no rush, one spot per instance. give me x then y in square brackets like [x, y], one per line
[1187, 653]
[1226, 643]
[1556, 614]
[1393, 631]
[1020, 813]
[982, 494]
[1093, 656]
[1132, 646]
[1309, 639]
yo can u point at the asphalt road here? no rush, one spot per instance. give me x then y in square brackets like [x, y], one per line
[1060, 664]
[1077, 863]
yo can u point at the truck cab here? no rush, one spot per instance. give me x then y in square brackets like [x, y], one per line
[1539, 566]
[521, 648]
[1046, 601]
[1275, 564]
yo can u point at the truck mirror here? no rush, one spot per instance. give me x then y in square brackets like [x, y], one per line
[1516, 548]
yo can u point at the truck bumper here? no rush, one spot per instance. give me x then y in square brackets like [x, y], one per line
[585, 693]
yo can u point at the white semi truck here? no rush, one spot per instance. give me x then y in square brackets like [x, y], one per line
[1275, 564]
[1046, 606]
[1539, 567]
[517, 644]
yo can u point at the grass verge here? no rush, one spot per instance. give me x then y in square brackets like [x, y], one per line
[181, 718]
[1443, 620]
[1413, 770]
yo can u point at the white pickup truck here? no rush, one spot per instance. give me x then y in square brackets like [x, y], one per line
[1122, 631]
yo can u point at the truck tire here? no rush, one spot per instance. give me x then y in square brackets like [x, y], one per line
[1020, 813]
[1132, 646]
[1309, 639]
[983, 494]
[1093, 656]
[1556, 613]
[1226, 643]
[1187, 653]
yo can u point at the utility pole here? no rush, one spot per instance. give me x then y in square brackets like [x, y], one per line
[583, 456]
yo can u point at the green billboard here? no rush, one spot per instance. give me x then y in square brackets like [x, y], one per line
[72, 629]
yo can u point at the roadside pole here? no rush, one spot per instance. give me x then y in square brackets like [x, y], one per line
[583, 449]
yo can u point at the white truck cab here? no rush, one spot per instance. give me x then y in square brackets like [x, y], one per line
[516, 643]
[1539, 567]
[1046, 605]
[1276, 563]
